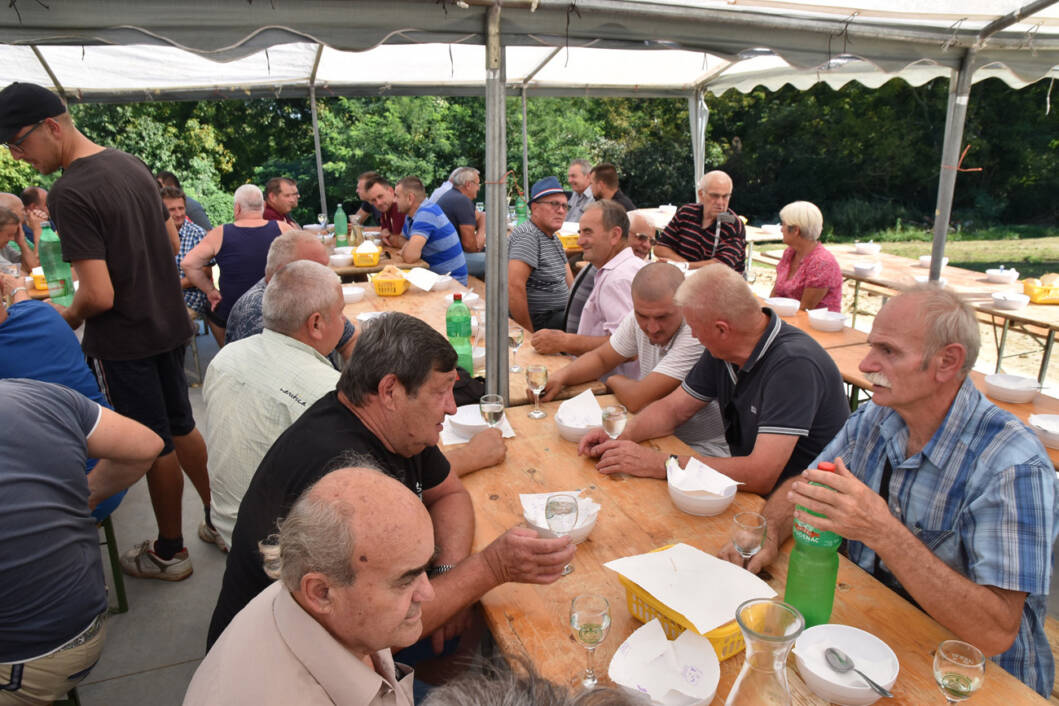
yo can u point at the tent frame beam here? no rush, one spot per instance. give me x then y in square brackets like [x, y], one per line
[496, 362]
[316, 129]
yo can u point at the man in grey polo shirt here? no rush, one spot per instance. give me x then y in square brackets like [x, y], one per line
[577, 176]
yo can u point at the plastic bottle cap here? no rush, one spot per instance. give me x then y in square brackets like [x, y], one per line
[457, 297]
[826, 466]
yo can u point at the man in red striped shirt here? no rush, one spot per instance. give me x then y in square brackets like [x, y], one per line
[708, 231]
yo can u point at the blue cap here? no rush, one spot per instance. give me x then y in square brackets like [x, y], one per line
[546, 187]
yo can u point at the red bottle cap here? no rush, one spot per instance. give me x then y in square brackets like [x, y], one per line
[826, 466]
[458, 297]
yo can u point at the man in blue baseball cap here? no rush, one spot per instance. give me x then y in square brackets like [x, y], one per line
[538, 274]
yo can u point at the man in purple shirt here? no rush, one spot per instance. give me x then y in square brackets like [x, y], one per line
[281, 196]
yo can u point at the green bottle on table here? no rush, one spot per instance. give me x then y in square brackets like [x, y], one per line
[521, 211]
[458, 330]
[813, 568]
[341, 228]
[56, 271]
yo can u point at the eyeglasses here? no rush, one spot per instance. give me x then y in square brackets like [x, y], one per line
[557, 205]
[16, 146]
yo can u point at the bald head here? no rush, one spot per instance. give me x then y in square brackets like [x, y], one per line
[657, 282]
[641, 234]
[715, 191]
[292, 246]
[12, 203]
[717, 292]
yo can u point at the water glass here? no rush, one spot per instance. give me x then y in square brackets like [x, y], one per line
[748, 534]
[614, 418]
[514, 340]
[537, 379]
[959, 670]
[590, 622]
[561, 514]
[492, 409]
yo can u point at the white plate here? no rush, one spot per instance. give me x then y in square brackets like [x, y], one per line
[572, 433]
[826, 320]
[699, 502]
[352, 293]
[1047, 428]
[867, 248]
[1010, 300]
[1003, 276]
[468, 420]
[783, 306]
[870, 654]
[1011, 388]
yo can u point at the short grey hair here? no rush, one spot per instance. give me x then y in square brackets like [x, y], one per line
[463, 175]
[717, 291]
[706, 178]
[248, 197]
[284, 250]
[946, 319]
[296, 292]
[398, 344]
[316, 536]
[806, 216]
[8, 217]
[584, 164]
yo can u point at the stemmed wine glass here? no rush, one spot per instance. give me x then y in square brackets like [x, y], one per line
[748, 534]
[537, 378]
[590, 621]
[614, 418]
[561, 514]
[492, 409]
[959, 669]
[514, 340]
[321, 218]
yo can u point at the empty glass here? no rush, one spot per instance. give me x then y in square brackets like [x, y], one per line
[537, 379]
[748, 534]
[590, 621]
[561, 514]
[514, 340]
[959, 670]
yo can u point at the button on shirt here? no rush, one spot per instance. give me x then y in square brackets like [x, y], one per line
[611, 300]
[981, 495]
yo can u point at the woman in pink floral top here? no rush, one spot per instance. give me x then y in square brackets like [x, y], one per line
[807, 271]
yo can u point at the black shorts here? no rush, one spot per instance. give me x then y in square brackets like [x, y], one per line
[215, 318]
[153, 391]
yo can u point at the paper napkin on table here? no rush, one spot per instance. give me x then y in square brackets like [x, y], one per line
[704, 589]
[533, 507]
[367, 247]
[451, 437]
[581, 411]
[422, 278]
[674, 673]
[696, 475]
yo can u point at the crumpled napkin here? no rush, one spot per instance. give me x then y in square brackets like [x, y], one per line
[581, 411]
[697, 476]
[684, 671]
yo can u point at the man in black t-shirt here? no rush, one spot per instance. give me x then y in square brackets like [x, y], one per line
[117, 235]
[780, 393]
[389, 406]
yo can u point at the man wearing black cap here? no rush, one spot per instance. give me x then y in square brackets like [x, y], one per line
[538, 275]
[117, 235]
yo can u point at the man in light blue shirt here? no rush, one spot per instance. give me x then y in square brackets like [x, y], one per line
[427, 232]
[941, 495]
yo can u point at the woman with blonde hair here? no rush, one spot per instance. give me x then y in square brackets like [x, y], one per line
[807, 271]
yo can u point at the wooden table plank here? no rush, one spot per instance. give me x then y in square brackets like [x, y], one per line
[848, 336]
[637, 516]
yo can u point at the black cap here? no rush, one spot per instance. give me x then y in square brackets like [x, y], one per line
[24, 104]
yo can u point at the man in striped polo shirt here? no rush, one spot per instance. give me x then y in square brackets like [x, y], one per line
[538, 275]
[706, 232]
[427, 232]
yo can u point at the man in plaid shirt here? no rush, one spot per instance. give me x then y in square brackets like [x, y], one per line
[190, 235]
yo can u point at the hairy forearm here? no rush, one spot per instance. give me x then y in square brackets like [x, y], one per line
[471, 579]
[519, 309]
[111, 476]
[657, 419]
[629, 392]
[195, 274]
[453, 519]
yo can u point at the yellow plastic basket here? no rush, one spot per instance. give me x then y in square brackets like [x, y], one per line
[568, 241]
[727, 640]
[1041, 294]
[389, 287]
[366, 259]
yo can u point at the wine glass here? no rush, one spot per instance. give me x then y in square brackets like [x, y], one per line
[748, 534]
[537, 379]
[321, 218]
[561, 514]
[514, 340]
[614, 418]
[492, 409]
[590, 620]
[959, 669]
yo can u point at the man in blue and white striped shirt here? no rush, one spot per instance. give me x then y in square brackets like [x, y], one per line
[941, 495]
[427, 232]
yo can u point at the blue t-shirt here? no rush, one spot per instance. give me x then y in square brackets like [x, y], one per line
[52, 585]
[37, 343]
[442, 251]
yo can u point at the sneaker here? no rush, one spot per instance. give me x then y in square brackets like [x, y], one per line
[141, 561]
[211, 536]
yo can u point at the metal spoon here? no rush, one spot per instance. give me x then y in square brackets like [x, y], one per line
[841, 663]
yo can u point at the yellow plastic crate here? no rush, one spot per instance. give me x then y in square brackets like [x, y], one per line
[568, 241]
[389, 287]
[727, 640]
[1041, 294]
[365, 259]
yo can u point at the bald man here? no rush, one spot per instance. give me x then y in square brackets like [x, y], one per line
[351, 559]
[641, 235]
[706, 232]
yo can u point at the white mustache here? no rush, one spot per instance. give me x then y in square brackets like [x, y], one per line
[878, 379]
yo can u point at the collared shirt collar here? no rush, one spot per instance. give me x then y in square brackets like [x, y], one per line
[945, 440]
[276, 338]
[772, 329]
[623, 255]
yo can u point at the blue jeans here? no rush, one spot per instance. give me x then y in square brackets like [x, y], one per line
[475, 264]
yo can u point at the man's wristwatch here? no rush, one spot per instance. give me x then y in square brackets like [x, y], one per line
[435, 571]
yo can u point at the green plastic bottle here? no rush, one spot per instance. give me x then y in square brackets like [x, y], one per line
[341, 227]
[521, 211]
[56, 271]
[813, 568]
[458, 330]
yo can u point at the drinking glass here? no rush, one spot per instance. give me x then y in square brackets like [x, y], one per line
[492, 409]
[561, 514]
[514, 340]
[321, 218]
[748, 534]
[614, 418]
[590, 620]
[959, 669]
[478, 312]
[537, 379]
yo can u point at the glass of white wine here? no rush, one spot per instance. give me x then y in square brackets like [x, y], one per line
[959, 670]
[614, 418]
[748, 534]
[561, 514]
[537, 379]
[492, 409]
[590, 621]
[321, 218]
[514, 340]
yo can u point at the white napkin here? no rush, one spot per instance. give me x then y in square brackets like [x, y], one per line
[581, 411]
[451, 437]
[422, 278]
[704, 589]
[367, 247]
[533, 508]
[684, 671]
[570, 228]
[696, 475]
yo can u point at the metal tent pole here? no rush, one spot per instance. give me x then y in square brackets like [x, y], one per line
[316, 128]
[496, 377]
[698, 116]
[525, 144]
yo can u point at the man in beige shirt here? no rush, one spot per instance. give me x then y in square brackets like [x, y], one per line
[351, 558]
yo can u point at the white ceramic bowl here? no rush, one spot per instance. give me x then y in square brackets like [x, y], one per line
[700, 502]
[352, 293]
[581, 531]
[345, 249]
[341, 260]
[772, 228]
[573, 433]
[1004, 276]
[468, 297]
[862, 647]
[866, 268]
[1011, 388]
[924, 279]
[1047, 428]
[826, 320]
[924, 261]
[783, 306]
[468, 420]
[867, 248]
[1010, 300]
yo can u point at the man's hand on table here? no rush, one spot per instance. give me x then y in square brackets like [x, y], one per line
[850, 508]
[553, 388]
[765, 556]
[488, 447]
[548, 341]
[619, 456]
[520, 555]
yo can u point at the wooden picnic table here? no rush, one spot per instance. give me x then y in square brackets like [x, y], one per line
[637, 516]
[431, 307]
[387, 257]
